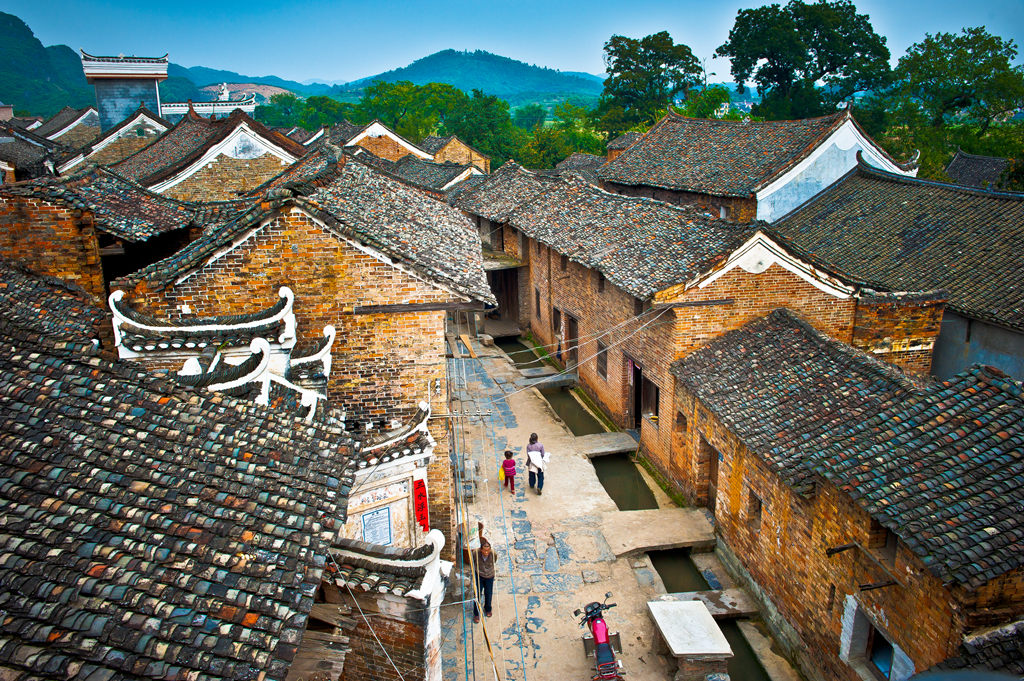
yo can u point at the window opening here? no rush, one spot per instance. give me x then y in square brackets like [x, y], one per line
[602, 360]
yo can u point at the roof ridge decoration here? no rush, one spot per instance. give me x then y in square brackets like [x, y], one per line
[122, 58]
[320, 354]
[414, 573]
[220, 376]
[280, 312]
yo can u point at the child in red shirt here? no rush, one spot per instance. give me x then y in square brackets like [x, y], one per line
[508, 466]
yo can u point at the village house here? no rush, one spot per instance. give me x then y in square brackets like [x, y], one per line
[118, 142]
[619, 287]
[620, 144]
[433, 178]
[24, 155]
[122, 84]
[584, 165]
[202, 159]
[972, 170]
[71, 128]
[93, 226]
[374, 137]
[245, 573]
[903, 233]
[743, 170]
[379, 262]
[875, 517]
[453, 150]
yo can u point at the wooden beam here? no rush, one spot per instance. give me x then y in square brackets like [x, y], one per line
[399, 308]
[469, 346]
[453, 345]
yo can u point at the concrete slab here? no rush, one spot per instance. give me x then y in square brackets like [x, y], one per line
[722, 604]
[630, 532]
[538, 372]
[555, 380]
[689, 629]
[603, 444]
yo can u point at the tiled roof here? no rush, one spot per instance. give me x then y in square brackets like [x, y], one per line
[121, 59]
[320, 162]
[300, 135]
[340, 133]
[469, 184]
[625, 140]
[154, 531]
[640, 245]
[976, 171]
[583, 164]
[123, 208]
[908, 234]
[362, 203]
[434, 144]
[366, 567]
[999, 649]
[426, 174]
[48, 307]
[724, 158]
[23, 149]
[60, 120]
[186, 143]
[941, 465]
[502, 192]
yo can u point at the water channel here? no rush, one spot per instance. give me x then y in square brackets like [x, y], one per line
[628, 489]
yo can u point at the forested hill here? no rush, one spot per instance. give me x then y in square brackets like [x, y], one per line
[514, 81]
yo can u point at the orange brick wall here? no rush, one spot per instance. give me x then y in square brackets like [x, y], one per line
[382, 364]
[226, 178]
[402, 635]
[457, 152]
[52, 239]
[785, 555]
[737, 209]
[383, 146]
[899, 333]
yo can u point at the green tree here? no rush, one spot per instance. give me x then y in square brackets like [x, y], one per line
[805, 58]
[1013, 177]
[483, 121]
[707, 102]
[644, 76]
[530, 116]
[962, 77]
[284, 110]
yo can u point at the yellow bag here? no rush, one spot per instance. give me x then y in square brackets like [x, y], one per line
[501, 473]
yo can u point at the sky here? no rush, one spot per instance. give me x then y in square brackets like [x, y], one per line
[342, 41]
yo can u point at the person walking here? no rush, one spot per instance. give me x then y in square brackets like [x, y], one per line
[484, 577]
[508, 467]
[536, 461]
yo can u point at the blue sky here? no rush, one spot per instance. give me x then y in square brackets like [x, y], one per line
[349, 40]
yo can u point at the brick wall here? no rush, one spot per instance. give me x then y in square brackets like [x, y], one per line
[382, 364]
[737, 209]
[899, 332]
[402, 632]
[457, 152]
[226, 178]
[782, 547]
[52, 239]
[383, 146]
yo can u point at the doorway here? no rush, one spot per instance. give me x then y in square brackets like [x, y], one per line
[572, 335]
[634, 397]
[709, 459]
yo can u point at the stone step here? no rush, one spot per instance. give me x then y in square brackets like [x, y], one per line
[722, 603]
[603, 444]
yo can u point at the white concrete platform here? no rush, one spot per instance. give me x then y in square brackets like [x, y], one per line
[722, 604]
[603, 444]
[657, 529]
[689, 629]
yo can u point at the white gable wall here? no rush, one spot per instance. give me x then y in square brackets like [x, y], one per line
[833, 158]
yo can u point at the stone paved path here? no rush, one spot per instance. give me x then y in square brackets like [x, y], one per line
[552, 554]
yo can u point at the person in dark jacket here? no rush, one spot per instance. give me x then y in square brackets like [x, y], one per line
[484, 562]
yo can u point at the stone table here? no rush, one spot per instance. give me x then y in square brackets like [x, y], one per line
[692, 637]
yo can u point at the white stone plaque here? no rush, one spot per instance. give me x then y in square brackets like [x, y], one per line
[377, 526]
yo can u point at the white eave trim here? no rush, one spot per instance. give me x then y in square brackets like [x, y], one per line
[242, 130]
[377, 129]
[316, 135]
[761, 252]
[72, 124]
[870, 152]
[143, 118]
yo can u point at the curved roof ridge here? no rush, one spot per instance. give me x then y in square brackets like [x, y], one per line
[129, 315]
[869, 170]
[247, 371]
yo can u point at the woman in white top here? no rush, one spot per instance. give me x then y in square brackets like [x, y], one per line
[536, 461]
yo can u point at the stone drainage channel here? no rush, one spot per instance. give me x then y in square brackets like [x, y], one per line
[627, 487]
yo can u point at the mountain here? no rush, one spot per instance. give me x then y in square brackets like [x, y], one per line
[36, 78]
[514, 81]
[202, 76]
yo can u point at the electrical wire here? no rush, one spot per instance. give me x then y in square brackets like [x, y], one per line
[373, 632]
[586, 338]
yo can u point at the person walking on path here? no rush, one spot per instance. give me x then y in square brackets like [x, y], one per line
[508, 467]
[484, 576]
[536, 461]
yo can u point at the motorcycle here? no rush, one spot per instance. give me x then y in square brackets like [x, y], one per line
[601, 641]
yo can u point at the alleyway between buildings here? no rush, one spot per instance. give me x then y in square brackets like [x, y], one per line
[556, 551]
